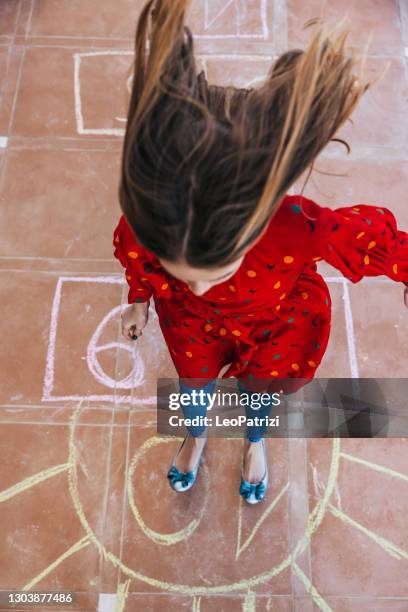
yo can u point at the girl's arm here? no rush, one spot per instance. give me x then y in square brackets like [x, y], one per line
[361, 240]
[129, 253]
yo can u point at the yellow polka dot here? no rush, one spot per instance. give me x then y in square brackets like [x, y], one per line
[164, 286]
[366, 260]
[371, 244]
[189, 354]
[282, 296]
[236, 332]
[295, 366]
[360, 235]
[143, 279]
[232, 288]
[312, 364]
[251, 273]
[140, 289]
[274, 373]
[355, 208]
[288, 259]
[223, 331]
[277, 285]
[133, 254]
[222, 299]
[316, 258]
[251, 315]
[277, 307]
[117, 239]
[395, 268]
[128, 277]
[208, 327]
[304, 295]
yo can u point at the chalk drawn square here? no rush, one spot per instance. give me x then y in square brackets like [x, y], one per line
[85, 348]
[100, 98]
[223, 19]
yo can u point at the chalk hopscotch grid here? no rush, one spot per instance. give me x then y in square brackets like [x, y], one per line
[48, 384]
[263, 13]
[50, 361]
[110, 131]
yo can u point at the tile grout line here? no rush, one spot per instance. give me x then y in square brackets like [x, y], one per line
[351, 344]
[107, 477]
[298, 499]
[118, 336]
[124, 493]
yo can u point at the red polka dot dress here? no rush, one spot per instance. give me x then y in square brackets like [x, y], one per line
[271, 319]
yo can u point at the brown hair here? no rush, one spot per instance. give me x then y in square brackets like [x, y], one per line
[204, 168]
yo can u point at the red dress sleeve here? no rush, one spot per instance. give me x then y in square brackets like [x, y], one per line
[130, 254]
[361, 240]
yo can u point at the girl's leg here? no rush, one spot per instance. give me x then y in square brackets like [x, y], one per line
[191, 451]
[254, 459]
[255, 433]
[196, 408]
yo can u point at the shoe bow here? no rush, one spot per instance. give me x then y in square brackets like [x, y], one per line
[247, 489]
[184, 477]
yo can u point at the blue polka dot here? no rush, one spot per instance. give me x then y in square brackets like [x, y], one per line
[205, 369]
[291, 319]
[277, 356]
[266, 332]
[296, 208]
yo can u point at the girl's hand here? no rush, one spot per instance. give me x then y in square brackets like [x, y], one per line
[406, 294]
[134, 320]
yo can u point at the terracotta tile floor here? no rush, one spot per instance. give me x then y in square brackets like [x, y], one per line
[84, 504]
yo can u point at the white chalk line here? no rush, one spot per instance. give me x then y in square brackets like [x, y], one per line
[208, 23]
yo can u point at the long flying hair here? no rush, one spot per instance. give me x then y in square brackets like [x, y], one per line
[204, 168]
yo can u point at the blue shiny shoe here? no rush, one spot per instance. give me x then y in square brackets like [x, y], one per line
[183, 481]
[253, 493]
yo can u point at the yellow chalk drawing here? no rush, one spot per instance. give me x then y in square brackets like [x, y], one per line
[82, 543]
[249, 604]
[314, 520]
[374, 466]
[259, 522]
[196, 604]
[121, 595]
[318, 599]
[165, 539]
[388, 546]
[29, 482]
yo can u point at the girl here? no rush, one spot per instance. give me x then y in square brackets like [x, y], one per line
[209, 232]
